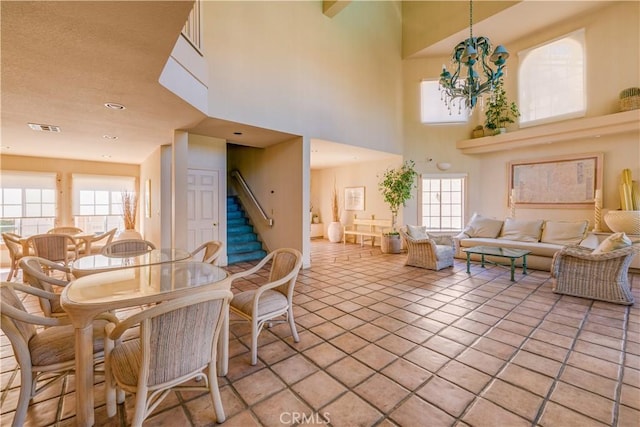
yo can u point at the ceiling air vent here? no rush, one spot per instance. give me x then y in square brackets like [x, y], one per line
[44, 128]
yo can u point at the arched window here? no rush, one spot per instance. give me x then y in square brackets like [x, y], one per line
[551, 81]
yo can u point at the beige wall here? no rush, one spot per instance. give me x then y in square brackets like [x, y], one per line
[613, 58]
[358, 175]
[286, 66]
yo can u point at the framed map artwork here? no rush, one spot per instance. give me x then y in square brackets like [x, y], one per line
[560, 182]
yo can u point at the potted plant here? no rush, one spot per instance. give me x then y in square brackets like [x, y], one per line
[396, 186]
[499, 111]
[334, 232]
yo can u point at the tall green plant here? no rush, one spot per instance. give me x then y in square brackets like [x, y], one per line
[396, 185]
[499, 110]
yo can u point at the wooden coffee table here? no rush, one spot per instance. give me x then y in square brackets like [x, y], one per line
[512, 254]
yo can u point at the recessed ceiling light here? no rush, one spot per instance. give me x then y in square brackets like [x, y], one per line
[44, 128]
[115, 106]
[237, 133]
[106, 156]
[110, 137]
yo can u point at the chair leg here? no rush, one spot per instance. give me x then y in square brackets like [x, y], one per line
[254, 342]
[141, 408]
[292, 324]
[26, 392]
[12, 270]
[215, 393]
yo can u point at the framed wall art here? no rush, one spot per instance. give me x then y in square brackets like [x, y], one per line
[354, 199]
[556, 182]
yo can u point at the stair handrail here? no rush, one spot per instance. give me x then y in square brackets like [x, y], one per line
[243, 184]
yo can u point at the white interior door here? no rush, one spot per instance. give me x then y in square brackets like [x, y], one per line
[202, 209]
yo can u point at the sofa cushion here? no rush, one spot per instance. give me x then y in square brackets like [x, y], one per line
[521, 230]
[536, 248]
[480, 226]
[564, 232]
[417, 232]
[613, 242]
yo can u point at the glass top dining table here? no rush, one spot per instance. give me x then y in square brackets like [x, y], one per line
[86, 297]
[92, 264]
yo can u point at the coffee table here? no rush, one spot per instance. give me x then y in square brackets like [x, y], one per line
[512, 254]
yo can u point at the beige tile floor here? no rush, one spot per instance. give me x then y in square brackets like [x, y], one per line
[387, 345]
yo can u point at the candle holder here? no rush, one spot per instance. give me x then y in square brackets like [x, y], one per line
[597, 212]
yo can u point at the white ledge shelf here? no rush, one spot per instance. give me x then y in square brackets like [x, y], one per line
[587, 127]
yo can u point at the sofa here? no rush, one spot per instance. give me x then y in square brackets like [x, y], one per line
[542, 237]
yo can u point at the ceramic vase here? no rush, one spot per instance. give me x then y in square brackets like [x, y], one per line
[334, 232]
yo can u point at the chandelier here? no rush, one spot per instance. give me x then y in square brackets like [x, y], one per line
[469, 53]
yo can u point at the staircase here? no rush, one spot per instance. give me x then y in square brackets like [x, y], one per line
[242, 241]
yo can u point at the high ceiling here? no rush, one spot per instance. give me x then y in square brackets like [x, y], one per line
[62, 61]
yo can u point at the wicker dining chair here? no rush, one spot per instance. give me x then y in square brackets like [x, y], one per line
[432, 253]
[14, 246]
[127, 247]
[65, 230]
[603, 276]
[36, 272]
[43, 354]
[178, 342]
[60, 248]
[210, 250]
[99, 241]
[272, 299]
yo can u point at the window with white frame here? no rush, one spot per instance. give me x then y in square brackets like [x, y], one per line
[28, 202]
[97, 201]
[433, 109]
[443, 201]
[551, 82]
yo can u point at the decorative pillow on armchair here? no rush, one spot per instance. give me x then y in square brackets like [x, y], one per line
[480, 226]
[613, 242]
[417, 232]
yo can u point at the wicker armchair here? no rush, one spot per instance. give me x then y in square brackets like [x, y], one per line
[127, 248]
[44, 354]
[178, 343]
[604, 276]
[273, 299]
[210, 250]
[14, 246]
[34, 272]
[434, 253]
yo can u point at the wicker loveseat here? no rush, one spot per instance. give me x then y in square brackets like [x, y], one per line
[602, 276]
[432, 252]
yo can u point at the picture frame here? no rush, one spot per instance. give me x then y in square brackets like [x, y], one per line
[354, 199]
[556, 182]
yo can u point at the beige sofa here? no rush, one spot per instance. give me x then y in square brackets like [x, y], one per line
[543, 238]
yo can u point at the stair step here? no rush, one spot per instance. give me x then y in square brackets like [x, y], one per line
[238, 214]
[236, 221]
[235, 248]
[246, 256]
[241, 238]
[239, 229]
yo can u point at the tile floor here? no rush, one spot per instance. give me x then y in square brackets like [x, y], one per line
[387, 345]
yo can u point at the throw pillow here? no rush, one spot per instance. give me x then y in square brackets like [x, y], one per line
[481, 226]
[564, 232]
[521, 230]
[613, 242]
[417, 232]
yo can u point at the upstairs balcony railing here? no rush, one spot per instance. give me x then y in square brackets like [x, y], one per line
[192, 28]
